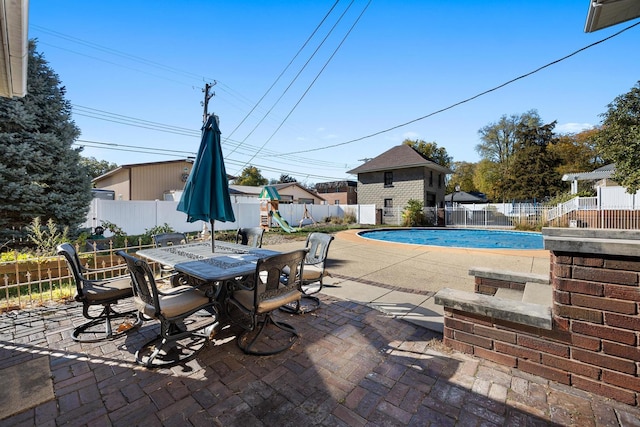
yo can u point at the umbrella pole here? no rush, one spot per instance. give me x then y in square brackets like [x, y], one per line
[213, 236]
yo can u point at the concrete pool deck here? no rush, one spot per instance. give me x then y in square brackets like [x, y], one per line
[401, 279]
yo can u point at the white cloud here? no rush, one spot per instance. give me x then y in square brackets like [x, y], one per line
[330, 136]
[573, 127]
[320, 130]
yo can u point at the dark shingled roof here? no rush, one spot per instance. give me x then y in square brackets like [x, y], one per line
[398, 157]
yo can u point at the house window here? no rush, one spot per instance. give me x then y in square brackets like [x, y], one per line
[388, 179]
[430, 178]
[430, 200]
[388, 207]
[336, 202]
[439, 180]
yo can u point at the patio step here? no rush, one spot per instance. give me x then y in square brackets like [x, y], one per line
[538, 293]
[510, 294]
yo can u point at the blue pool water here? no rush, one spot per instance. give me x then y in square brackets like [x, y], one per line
[457, 238]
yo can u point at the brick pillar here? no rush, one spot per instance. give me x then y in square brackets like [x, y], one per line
[596, 298]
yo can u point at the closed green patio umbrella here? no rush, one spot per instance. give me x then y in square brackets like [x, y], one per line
[206, 193]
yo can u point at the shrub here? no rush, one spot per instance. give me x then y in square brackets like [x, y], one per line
[46, 238]
[117, 231]
[413, 214]
[349, 218]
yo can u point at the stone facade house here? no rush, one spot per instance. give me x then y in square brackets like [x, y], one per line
[394, 177]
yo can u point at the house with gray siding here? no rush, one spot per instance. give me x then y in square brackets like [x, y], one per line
[394, 177]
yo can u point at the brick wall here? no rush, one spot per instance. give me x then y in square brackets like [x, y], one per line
[489, 286]
[595, 341]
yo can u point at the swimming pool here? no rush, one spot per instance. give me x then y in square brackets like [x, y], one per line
[460, 238]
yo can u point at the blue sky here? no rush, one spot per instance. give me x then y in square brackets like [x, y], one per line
[386, 63]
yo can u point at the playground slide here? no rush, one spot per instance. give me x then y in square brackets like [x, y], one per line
[283, 222]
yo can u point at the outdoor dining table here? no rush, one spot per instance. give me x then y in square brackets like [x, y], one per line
[196, 260]
[211, 271]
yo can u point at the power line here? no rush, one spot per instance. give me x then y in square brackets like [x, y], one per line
[299, 73]
[316, 78]
[181, 154]
[161, 127]
[286, 68]
[467, 99]
[120, 54]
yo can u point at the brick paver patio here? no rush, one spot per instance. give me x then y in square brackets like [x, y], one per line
[353, 366]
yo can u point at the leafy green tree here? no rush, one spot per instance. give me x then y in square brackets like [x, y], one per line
[537, 176]
[499, 145]
[95, 167]
[463, 173]
[488, 179]
[431, 151]
[40, 172]
[251, 176]
[619, 138]
[577, 152]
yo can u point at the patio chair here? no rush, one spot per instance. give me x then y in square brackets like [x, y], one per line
[161, 240]
[252, 300]
[313, 274]
[169, 239]
[99, 292]
[185, 315]
[251, 236]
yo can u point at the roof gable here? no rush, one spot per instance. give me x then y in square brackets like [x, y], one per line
[398, 157]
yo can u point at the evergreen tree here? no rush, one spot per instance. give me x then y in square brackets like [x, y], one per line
[537, 174]
[40, 172]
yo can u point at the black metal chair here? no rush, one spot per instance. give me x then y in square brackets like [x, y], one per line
[167, 273]
[251, 236]
[169, 239]
[185, 315]
[104, 292]
[252, 300]
[313, 274]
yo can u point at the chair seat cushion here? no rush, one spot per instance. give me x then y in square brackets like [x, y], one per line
[175, 302]
[309, 272]
[270, 301]
[96, 292]
[312, 272]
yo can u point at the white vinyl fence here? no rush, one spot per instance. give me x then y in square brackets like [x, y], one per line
[138, 216]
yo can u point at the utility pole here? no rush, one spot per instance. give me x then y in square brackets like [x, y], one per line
[207, 97]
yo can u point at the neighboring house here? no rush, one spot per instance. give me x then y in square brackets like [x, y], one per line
[462, 197]
[339, 192]
[146, 181]
[291, 192]
[399, 175]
